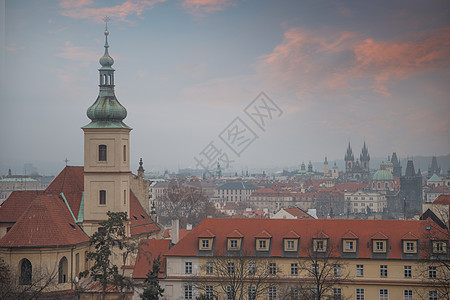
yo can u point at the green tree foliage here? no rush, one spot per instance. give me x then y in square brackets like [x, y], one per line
[110, 235]
[153, 290]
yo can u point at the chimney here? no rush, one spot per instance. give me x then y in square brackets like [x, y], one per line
[175, 231]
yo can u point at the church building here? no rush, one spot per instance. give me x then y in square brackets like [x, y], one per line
[48, 232]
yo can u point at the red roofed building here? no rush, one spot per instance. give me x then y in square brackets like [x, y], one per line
[49, 231]
[371, 255]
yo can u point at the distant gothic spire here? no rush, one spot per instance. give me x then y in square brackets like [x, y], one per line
[106, 112]
[349, 155]
[364, 153]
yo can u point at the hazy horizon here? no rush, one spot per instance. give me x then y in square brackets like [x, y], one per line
[337, 72]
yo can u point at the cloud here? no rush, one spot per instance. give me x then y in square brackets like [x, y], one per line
[201, 7]
[78, 53]
[315, 61]
[80, 9]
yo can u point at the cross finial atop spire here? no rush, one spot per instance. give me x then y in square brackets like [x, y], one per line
[106, 20]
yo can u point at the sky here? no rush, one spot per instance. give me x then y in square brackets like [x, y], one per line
[191, 72]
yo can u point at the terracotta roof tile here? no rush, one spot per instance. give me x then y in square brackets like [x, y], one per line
[365, 230]
[321, 235]
[16, 204]
[70, 182]
[141, 223]
[235, 234]
[263, 234]
[409, 236]
[379, 236]
[349, 235]
[291, 235]
[206, 234]
[299, 213]
[148, 251]
[46, 222]
[442, 199]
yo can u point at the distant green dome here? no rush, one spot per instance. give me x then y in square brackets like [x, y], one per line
[383, 175]
[388, 164]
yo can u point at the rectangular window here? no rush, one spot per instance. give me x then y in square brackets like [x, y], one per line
[209, 291]
[337, 294]
[409, 247]
[102, 152]
[315, 269]
[102, 197]
[359, 294]
[251, 292]
[384, 294]
[209, 268]
[188, 292]
[230, 292]
[294, 269]
[319, 245]
[431, 272]
[433, 295]
[407, 295]
[205, 244]
[379, 246]
[251, 268]
[407, 271]
[337, 270]
[124, 153]
[262, 244]
[272, 293]
[290, 245]
[383, 271]
[230, 268]
[272, 268]
[359, 270]
[233, 244]
[293, 293]
[349, 245]
[188, 267]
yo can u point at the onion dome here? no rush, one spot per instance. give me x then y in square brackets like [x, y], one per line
[106, 112]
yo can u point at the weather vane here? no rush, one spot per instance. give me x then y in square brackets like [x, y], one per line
[66, 161]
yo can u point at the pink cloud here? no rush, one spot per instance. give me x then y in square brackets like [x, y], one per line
[200, 7]
[81, 10]
[83, 54]
[325, 59]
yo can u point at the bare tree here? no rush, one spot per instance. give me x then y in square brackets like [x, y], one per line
[187, 204]
[435, 269]
[12, 287]
[320, 276]
[239, 277]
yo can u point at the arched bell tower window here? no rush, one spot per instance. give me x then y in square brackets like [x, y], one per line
[62, 270]
[124, 153]
[102, 152]
[25, 272]
[102, 197]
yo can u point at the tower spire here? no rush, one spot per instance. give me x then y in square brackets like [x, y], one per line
[106, 112]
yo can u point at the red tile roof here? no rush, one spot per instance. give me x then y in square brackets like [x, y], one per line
[263, 234]
[349, 235]
[141, 223]
[379, 236]
[442, 199]
[321, 235]
[409, 236]
[299, 213]
[235, 234]
[336, 229]
[70, 182]
[206, 234]
[181, 233]
[16, 204]
[291, 235]
[46, 222]
[149, 250]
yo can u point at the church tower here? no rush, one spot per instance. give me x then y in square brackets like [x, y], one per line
[325, 168]
[349, 159]
[106, 152]
[365, 158]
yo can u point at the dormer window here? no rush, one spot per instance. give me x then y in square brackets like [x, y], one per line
[290, 244]
[409, 246]
[379, 246]
[349, 245]
[439, 247]
[262, 244]
[102, 152]
[319, 245]
[234, 244]
[205, 244]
